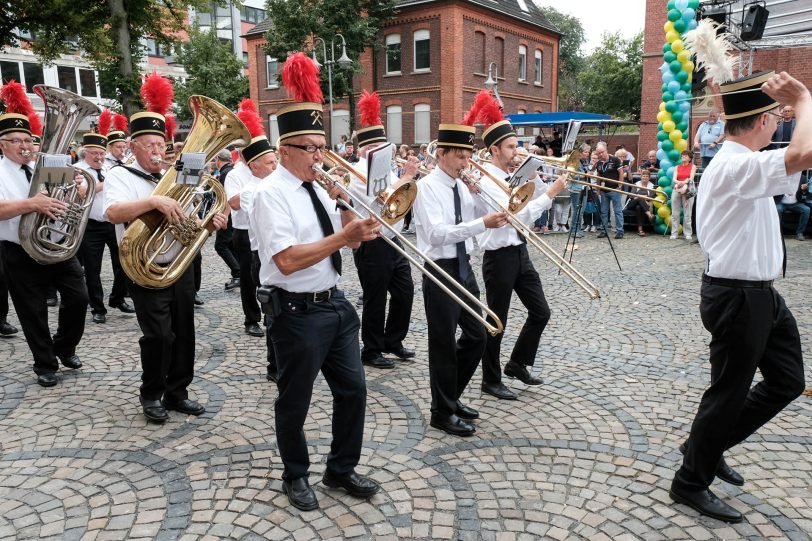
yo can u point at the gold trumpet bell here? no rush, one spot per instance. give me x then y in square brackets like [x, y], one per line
[570, 161]
[398, 202]
[521, 196]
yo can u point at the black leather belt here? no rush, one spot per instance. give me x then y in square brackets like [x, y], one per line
[730, 282]
[318, 296]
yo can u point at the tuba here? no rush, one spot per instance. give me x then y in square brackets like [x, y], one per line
[150, 238]
[46, 240]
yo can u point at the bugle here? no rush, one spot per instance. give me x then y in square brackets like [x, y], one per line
[327, 181]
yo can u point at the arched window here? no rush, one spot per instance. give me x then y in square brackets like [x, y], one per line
[538, 67]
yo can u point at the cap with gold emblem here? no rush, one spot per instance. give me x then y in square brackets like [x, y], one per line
[18, 109]
[94, 140]
[300, 77]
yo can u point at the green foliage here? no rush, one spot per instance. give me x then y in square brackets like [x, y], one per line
[612, 77]
[569, 56]
[213, 71]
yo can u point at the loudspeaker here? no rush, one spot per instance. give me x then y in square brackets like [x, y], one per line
[755, 19]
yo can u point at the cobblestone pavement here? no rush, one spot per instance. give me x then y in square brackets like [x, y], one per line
[587, 455]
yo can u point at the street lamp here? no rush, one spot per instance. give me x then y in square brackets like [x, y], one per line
[343, 61]
[492, 82]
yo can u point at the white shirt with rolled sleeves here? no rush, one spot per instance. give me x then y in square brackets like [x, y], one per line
[97, 209]
[246, 204]
[13, 186]
[437, 233]
[359, 189]
[738, 227]
[493, 239]
[283, 216]
[236, 179]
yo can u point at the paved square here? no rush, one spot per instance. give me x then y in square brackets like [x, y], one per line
[588, 455]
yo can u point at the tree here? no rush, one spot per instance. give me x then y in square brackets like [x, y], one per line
[570, 58]
[612, 77]
[296, 23]
[213, 71]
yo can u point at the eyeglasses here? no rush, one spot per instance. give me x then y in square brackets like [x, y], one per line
[774, 114]
[17, 141]
[310, 149]
[151, 146]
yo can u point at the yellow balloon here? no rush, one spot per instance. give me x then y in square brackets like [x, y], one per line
[679, 230]
[662, 106]
[671, 37]
[674, 135]
[662, 116]
[681, 145]
[657, 203]
[684, 56]
[687, 66]
[669, 126]
[664, 212]
[669, 27]
[677, 45]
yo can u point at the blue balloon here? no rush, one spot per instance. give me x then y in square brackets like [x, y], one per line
[661, 154]
[665, 165]
[664, 67]
[689, 15]
[674, 87]
[680, 95]
[692, 24]
[681, 4]
[684, 106]
[668, 76]
[669, 170]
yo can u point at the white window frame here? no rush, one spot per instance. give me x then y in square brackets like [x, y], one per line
[394, 124]
[422, 114]
[538, 64]
[392, 39]
[271, 83]
[420, 35]
[522, 63]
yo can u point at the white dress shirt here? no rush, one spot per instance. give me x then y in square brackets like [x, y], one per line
[236, 180]
[284, 216]
[246, 204]
[493, 239]
[110, 161]
[359, 189]
[13, 186]
[437, 232]
[738, 227]
[97, 209]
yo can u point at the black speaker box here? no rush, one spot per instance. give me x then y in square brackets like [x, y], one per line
[755, 19]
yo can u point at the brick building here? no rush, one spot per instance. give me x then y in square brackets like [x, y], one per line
[434, 57]
[786, 46]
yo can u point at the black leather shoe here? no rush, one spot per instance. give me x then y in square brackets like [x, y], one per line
[706, 503]
[99, 318]
[464, 412]
[356, 485]
[70, 362]
[47, 380]
[187, 406]
[51, 301]
[154, 410]
[618, 235]
[300, 495]
[379, 362]
[499, 391]
[723, 471]
[402, 352]
[453, 425]
[198, 300]
[124, 306]
[273, 375]
[232, 284]
[520, 372]
[7, 328]
[254, 330]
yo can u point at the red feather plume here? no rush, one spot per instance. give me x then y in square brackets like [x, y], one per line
[369, 107]
[235, 155]
[301, 78]
[157, 94]
[35, 123]
[15, 98]
[249, 116]
[120, 122]
[490, 112]
[481, 99]
[170, 127]
[105, 119]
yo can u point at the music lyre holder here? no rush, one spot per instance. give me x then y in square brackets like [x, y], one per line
[589, 194]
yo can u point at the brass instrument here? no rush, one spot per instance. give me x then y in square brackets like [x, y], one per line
[150, 237]
[327, 182]
[518, 197]
[45, 239]
[421, 169]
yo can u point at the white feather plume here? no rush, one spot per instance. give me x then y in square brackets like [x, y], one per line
[712, 51]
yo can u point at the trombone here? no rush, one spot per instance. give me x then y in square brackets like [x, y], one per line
[525, 231]
[327, 181]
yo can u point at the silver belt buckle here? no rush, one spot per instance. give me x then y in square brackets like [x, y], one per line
[322, 296]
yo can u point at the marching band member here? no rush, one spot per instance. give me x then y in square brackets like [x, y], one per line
[506, 265]
[116, 141]
[99, 232]
[29, 281]
[300, 230]
[381, 269]
[165, 315]
[448, 218]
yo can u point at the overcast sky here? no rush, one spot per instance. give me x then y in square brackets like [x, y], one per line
[598, 16]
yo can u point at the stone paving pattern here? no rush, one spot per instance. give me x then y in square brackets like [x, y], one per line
[587, 455]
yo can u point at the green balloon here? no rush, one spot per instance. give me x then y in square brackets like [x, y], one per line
[666, 48]
[671, 5]
[662, 136]
[659, 126]
[663, 181]
[669, 56]
[682, 126]
[664, 87]
[680, 26]
[686, 87]
[673, 156]
[660, 228]
[674, 15]
[668, 145]
[693, 4]
[676, 116]
[681, 76]
[668, 96]
[668, 190]
[671, 106]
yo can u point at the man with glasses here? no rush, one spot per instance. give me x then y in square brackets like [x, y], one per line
[300, 230]
[28, 281]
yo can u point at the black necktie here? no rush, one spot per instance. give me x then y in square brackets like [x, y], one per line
[324, 222]
[156, 176]
[119, 162]
[27, 171]
[99, 175]
[462, 255]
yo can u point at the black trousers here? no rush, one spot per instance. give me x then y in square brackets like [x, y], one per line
[197, 266]
[223, 245]
[310, 337]
[267, 320]
[507, 270]
[248, 287]
[3, 294]
[28, 284]
[452, 362]
[167, 320]
[640, 208]
[97, 236]
[751, 329]
[382, 270]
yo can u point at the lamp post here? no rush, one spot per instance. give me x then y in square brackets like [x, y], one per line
[492, 82]
[343, 60]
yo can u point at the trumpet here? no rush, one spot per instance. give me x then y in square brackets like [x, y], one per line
[524, 230]
[327, 181]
